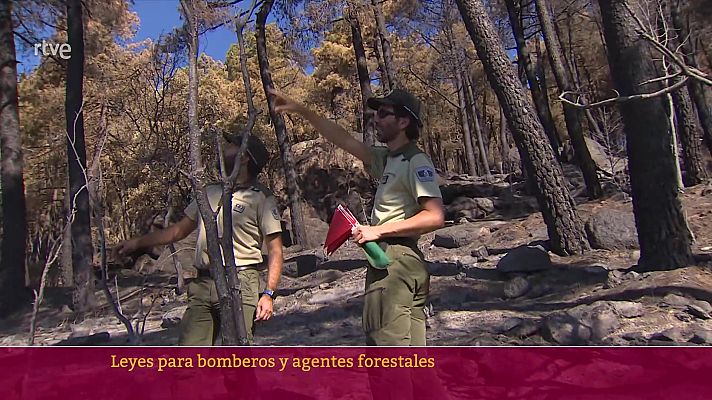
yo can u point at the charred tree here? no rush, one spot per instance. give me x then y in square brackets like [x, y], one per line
[280, 129]
[697, 92]
[523, 56]
[364, 78]
[663, 234]
[83, 297]
[572, 116]
[14, 215]
[565, 228]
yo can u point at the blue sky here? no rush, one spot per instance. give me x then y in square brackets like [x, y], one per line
[162, 16]
[156, 17]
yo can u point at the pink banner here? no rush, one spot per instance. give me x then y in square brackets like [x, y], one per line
[355, 373]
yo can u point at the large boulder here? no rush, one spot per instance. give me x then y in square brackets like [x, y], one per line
[469, 208]
[582, 324]
[612, 230]
[525, 259]
[454, 237]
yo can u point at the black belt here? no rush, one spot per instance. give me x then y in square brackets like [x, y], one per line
[205, 273]
[403, 241]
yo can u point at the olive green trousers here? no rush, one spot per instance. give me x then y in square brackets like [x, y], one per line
[393, 313]
[201, 322]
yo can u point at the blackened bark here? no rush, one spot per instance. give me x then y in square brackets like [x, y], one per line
[688, 132]
[472, 108]
[503, 142]
[364, 78]
[83, 297]
[12, 267]
[385, 44]
[230, 330]
[540, 103]
[565, 228]
[464, 125]
[280, 129]
[696, 89]
[663, 234]
[572, 115]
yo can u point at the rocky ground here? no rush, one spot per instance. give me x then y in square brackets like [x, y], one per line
[494, 282]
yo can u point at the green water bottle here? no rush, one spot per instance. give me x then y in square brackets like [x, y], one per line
[375, 255]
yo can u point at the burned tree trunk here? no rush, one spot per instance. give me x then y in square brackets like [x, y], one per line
[466, 134]
[83, 297]
[572, 116]
[663, 234]
[540, 102]
[364, 78]
[472, 108]
[565, 228]
[385, 44]
[688, 132]
[232, 328]
[12, 266]
[696, 89]
[280, 129]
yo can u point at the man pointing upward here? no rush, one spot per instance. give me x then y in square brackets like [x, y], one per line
[407, 204]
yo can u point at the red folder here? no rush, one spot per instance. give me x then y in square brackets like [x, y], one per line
[339, 229]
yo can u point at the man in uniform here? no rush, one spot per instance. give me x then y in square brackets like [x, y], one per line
[256, 224]
[407, 204]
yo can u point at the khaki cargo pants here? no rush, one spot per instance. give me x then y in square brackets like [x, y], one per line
[393, 313]
[201, 321]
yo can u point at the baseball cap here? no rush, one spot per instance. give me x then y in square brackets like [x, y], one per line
[398, 98]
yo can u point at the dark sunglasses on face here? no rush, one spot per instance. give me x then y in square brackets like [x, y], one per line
[383, 113]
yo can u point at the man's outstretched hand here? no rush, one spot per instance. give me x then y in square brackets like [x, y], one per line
[126, 248]
[283, 104]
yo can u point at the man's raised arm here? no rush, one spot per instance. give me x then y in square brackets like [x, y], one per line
[329, 129]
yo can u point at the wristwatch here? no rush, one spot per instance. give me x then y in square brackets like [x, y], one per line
[269, 293]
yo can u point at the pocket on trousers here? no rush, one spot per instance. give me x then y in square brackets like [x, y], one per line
[373, 309]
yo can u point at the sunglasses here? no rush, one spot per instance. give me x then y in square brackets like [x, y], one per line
[383, 113]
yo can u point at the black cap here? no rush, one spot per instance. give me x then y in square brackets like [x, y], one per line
[255, 148]
[398, 98]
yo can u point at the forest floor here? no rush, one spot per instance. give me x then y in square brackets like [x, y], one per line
[598, 298]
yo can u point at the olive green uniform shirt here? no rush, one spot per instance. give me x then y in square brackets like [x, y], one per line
[401, 182]
[254, 216]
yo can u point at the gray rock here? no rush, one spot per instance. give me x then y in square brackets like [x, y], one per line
[612, 230]
[516, 287]
[173, 317]
[527, 328]
[634, 336]
[703, 305]
[442, 268]
[466, 261]
[539, 290]
[453, 237]
[600, 317]
[672, 335]
[565, 330]
[676, 300]
[303, 264]
[79, 331]
[510, 323]
[480, 253]
[470, 208]
[525, 259]
[627, 309]
[702, 337]
[698, 311]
